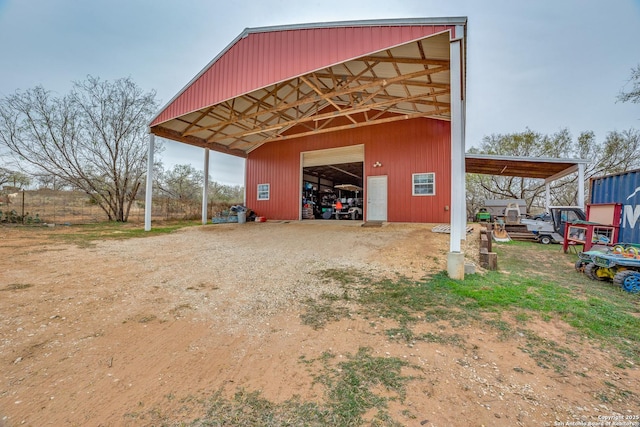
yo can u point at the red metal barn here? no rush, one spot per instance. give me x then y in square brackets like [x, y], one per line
[401, 148]
[377, 106]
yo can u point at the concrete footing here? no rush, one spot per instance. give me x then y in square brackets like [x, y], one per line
[469, 268]
[455, 265]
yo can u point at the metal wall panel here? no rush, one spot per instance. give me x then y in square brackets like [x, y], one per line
[333, 156]
[402, 148]
[621, 188]
[264, 58]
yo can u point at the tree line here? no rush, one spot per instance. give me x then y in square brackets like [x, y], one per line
[618, 152]
[95, 139]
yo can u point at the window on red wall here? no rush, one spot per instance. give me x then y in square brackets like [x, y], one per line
[424, 184]
[263, 191]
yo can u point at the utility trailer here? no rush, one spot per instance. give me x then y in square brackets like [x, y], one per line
[552, 230]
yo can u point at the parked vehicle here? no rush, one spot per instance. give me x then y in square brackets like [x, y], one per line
[552, 230]
[351, 207]
[483, 215]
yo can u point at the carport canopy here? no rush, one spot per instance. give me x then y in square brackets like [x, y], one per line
[277, 83]
[274, 84]
[549, 169]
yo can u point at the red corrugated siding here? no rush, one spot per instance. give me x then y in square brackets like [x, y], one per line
[425, 146]
[262, 59]
[403, 148]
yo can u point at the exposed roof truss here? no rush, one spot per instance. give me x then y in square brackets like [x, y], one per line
[403, 82]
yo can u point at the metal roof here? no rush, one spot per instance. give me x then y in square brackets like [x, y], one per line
[526, 167]
[277, 83]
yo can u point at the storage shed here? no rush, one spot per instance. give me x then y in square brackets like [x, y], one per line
[377, 105]
[622, 188]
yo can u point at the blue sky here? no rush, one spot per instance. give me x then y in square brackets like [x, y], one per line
[544, 64]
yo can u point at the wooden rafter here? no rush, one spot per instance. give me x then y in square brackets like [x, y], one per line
[374, 89]
[344, 127]
[381, 105]
[400, 60]
[312, 98]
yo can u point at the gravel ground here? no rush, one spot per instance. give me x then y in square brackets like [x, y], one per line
[255, 278]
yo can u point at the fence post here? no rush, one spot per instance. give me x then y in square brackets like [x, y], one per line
[22, 207]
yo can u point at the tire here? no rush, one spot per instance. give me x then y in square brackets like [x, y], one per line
[580, 264]
[628, 280]
[590, 270]
[545, 240]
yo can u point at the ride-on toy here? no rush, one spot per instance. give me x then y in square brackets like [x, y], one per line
[621, 264]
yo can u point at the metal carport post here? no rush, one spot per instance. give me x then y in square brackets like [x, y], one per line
[455, 257]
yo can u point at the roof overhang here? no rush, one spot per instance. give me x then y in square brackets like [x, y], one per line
[549, 169]
[403, 73]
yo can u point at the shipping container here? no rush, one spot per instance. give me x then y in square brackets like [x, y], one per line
[623, 188]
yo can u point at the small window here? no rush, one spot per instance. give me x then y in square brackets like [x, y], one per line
[424, 184]
[263, 191]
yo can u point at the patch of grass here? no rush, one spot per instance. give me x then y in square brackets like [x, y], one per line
[504, 329]
[604, 317]
[522, 317]
[351, 387]
[344, 276]
[547, 353]
[605, 313]
[614, 393]
[146, 318]
[407, 335]
[85, 235]
[407, 301]
[357, 392]
[16, 286]
[452, 314]
[318, 313]
[252, 410]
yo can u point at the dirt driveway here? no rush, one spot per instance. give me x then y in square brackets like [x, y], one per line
[134, 331]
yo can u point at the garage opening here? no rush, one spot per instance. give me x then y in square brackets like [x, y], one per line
[332, 183]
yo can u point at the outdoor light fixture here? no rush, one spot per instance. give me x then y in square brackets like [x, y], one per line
[377, 164]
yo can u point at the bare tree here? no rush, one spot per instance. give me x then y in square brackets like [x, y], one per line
[620, 151]
[13, 178]
[633, 94]
[183, 182]
[93, 139]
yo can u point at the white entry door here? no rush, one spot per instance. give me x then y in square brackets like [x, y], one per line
[377, 198]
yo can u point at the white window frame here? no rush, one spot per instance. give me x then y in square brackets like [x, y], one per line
[261, 192]
[432, 183]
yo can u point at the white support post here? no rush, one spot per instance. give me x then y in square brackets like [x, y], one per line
[547, 196]
[581, 186]
[460, 33]
[455, 258]
[205, 186]
[149, 191]
[463, 193]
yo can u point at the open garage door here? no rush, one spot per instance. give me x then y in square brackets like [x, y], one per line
[322, 171]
